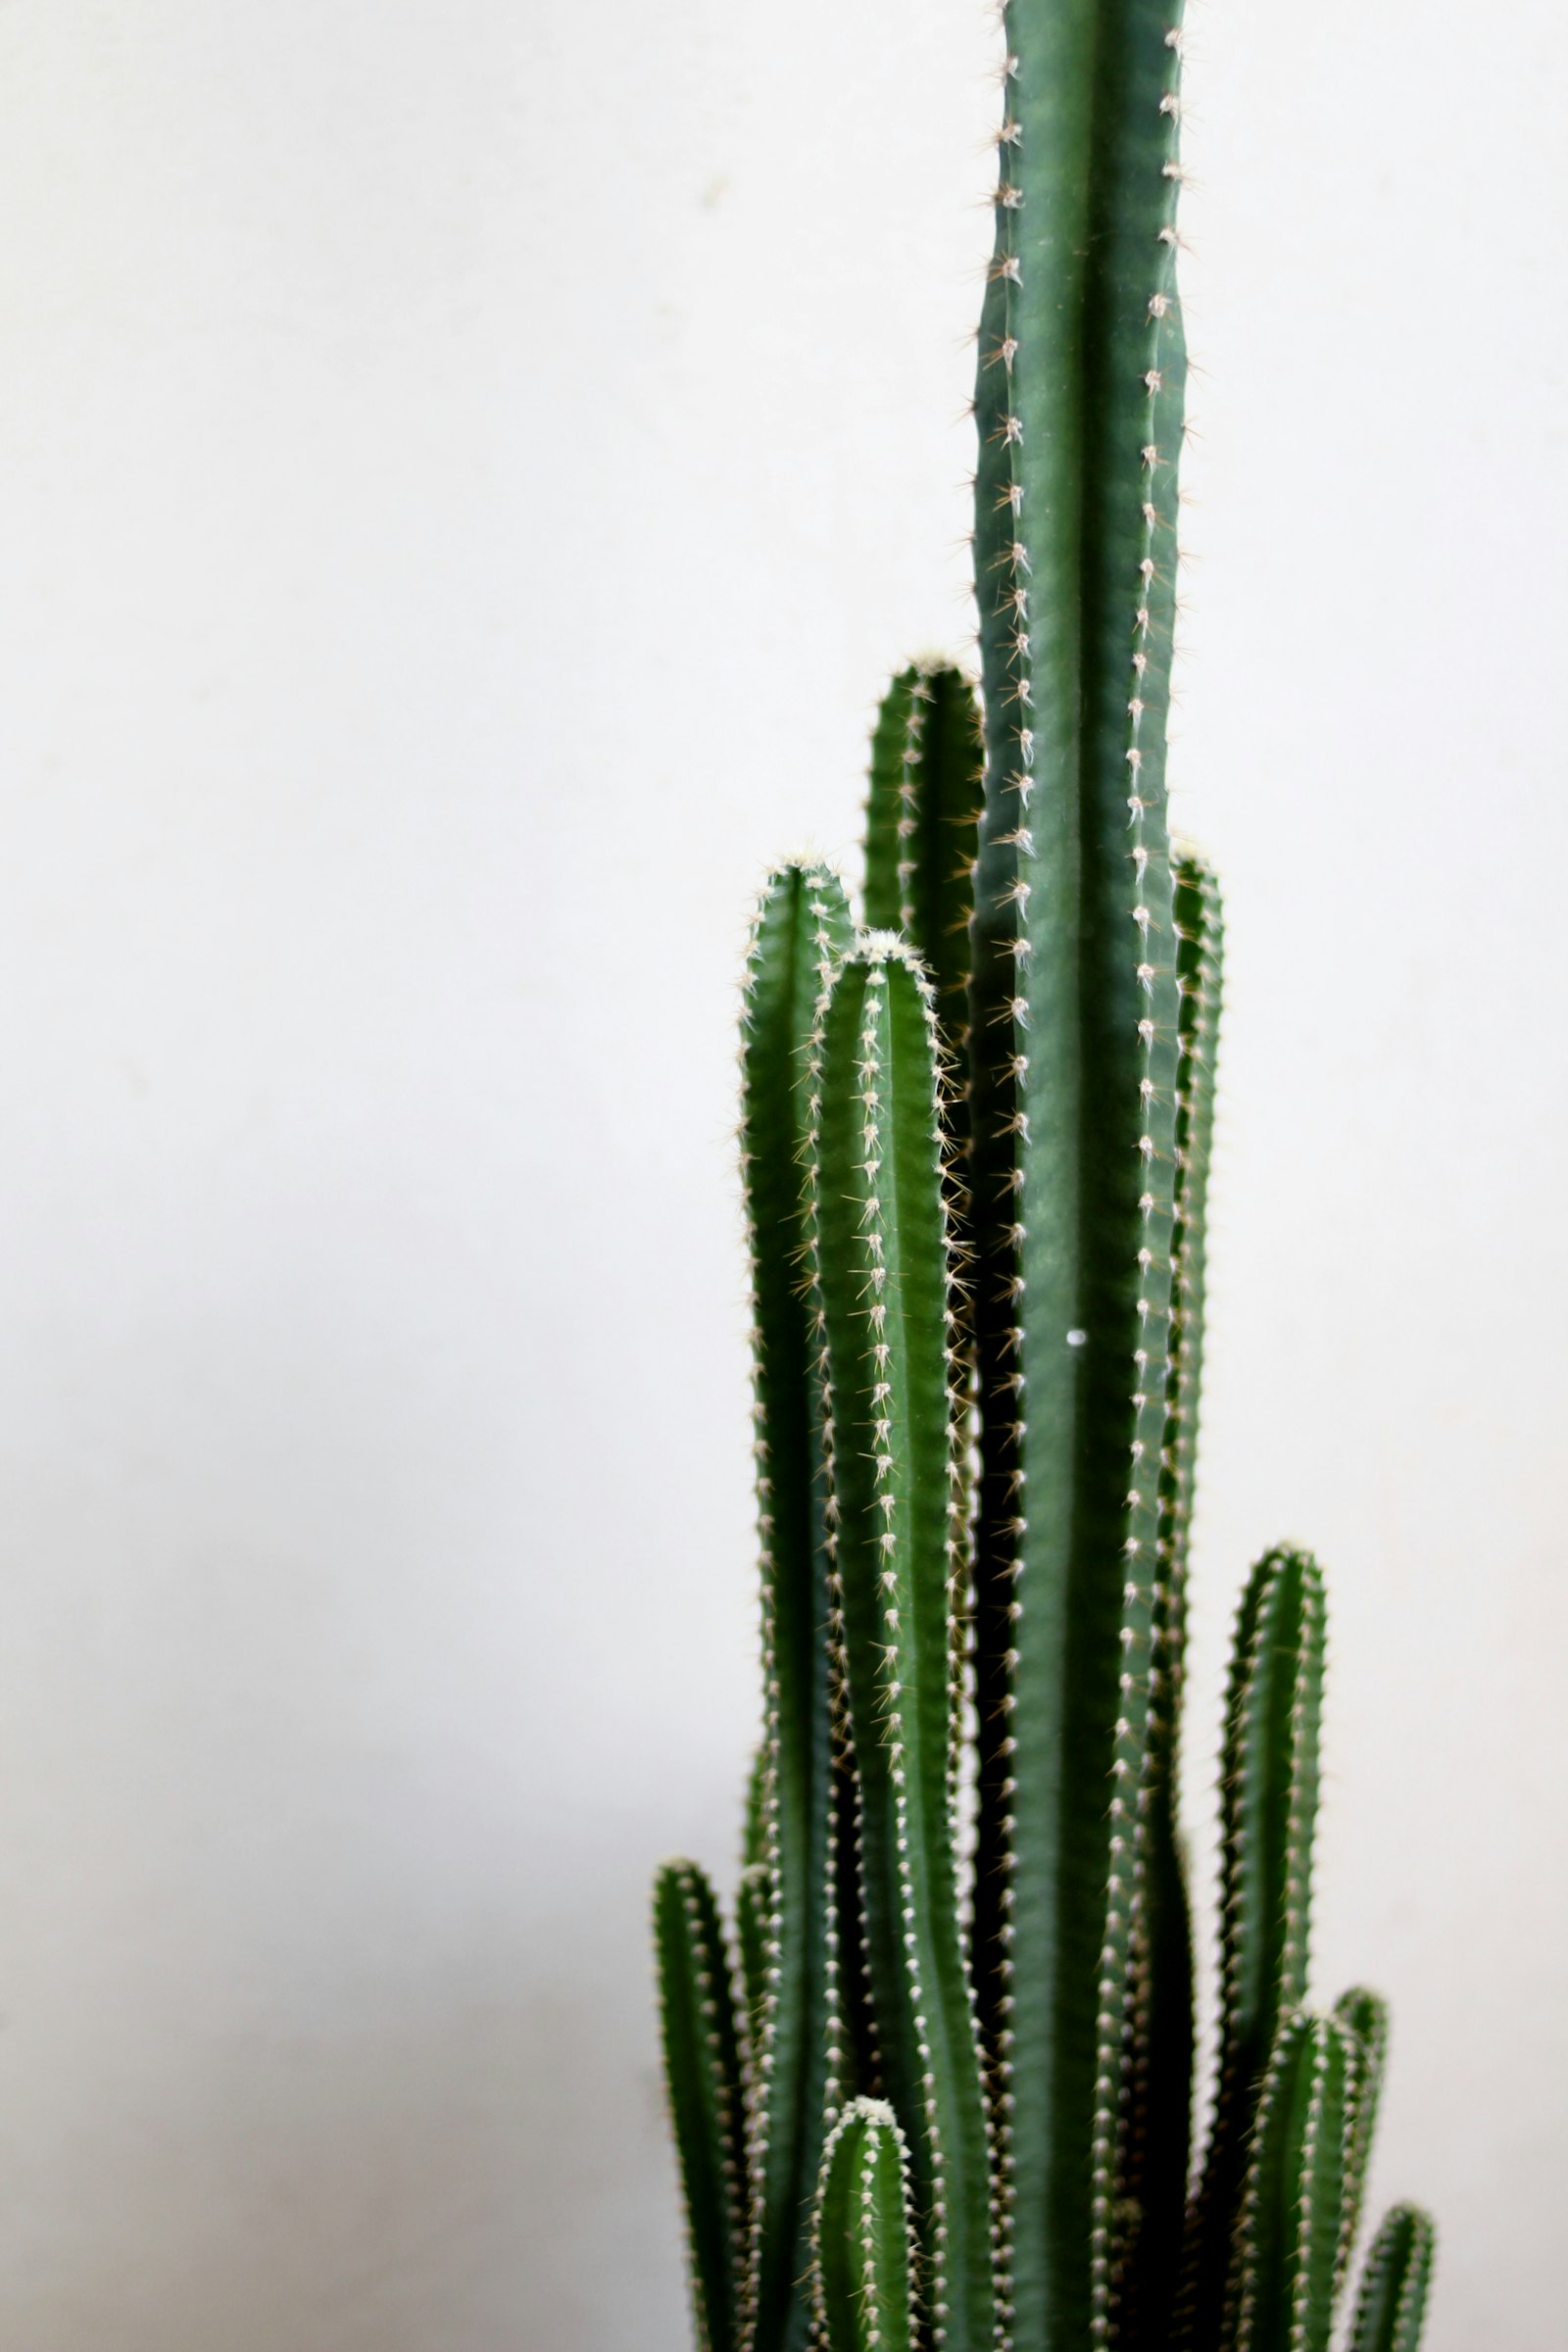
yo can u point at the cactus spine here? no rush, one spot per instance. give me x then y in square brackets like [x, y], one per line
[975, 1144]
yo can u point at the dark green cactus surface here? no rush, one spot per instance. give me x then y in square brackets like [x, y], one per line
[942, 2094]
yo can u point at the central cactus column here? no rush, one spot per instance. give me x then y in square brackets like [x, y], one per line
[1073, 1052]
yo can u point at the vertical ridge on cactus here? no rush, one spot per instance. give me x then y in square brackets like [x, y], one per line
[976, 1139]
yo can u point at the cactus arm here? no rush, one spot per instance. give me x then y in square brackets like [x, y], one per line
[803, 922]
[702, 2073]
[1073, 1084]
[1268, 1802]
[1365, 2015]
[1286, 2260]
[864, 2276]
[897, 1493]
[1396, 2280]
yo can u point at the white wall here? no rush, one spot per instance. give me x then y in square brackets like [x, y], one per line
[465, 471]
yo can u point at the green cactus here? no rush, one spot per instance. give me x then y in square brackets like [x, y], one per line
[957, 2109]
[864, 2270]
[1365, 2015]
[1285, 2262]
[1394, 2283]
[803, 924]
[1268, 1796]
[702, 2069]
[897, 1471]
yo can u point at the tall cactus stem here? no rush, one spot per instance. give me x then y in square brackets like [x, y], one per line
[1268, 1811]
[1073, 1094]
[803, 923]
[865, 2273]
[897, 1495]
[1396, 2281]
[701, 2073]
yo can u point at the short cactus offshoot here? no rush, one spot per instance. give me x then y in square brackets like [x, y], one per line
[940, 2092]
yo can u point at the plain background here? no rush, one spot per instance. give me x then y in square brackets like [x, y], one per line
[465, 470]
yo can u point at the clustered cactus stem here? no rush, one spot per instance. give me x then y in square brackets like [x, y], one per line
[947, 2099]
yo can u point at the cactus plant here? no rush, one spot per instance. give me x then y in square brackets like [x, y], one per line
[952, 2101]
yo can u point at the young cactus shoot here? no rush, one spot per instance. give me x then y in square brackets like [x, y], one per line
[933, 2090]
